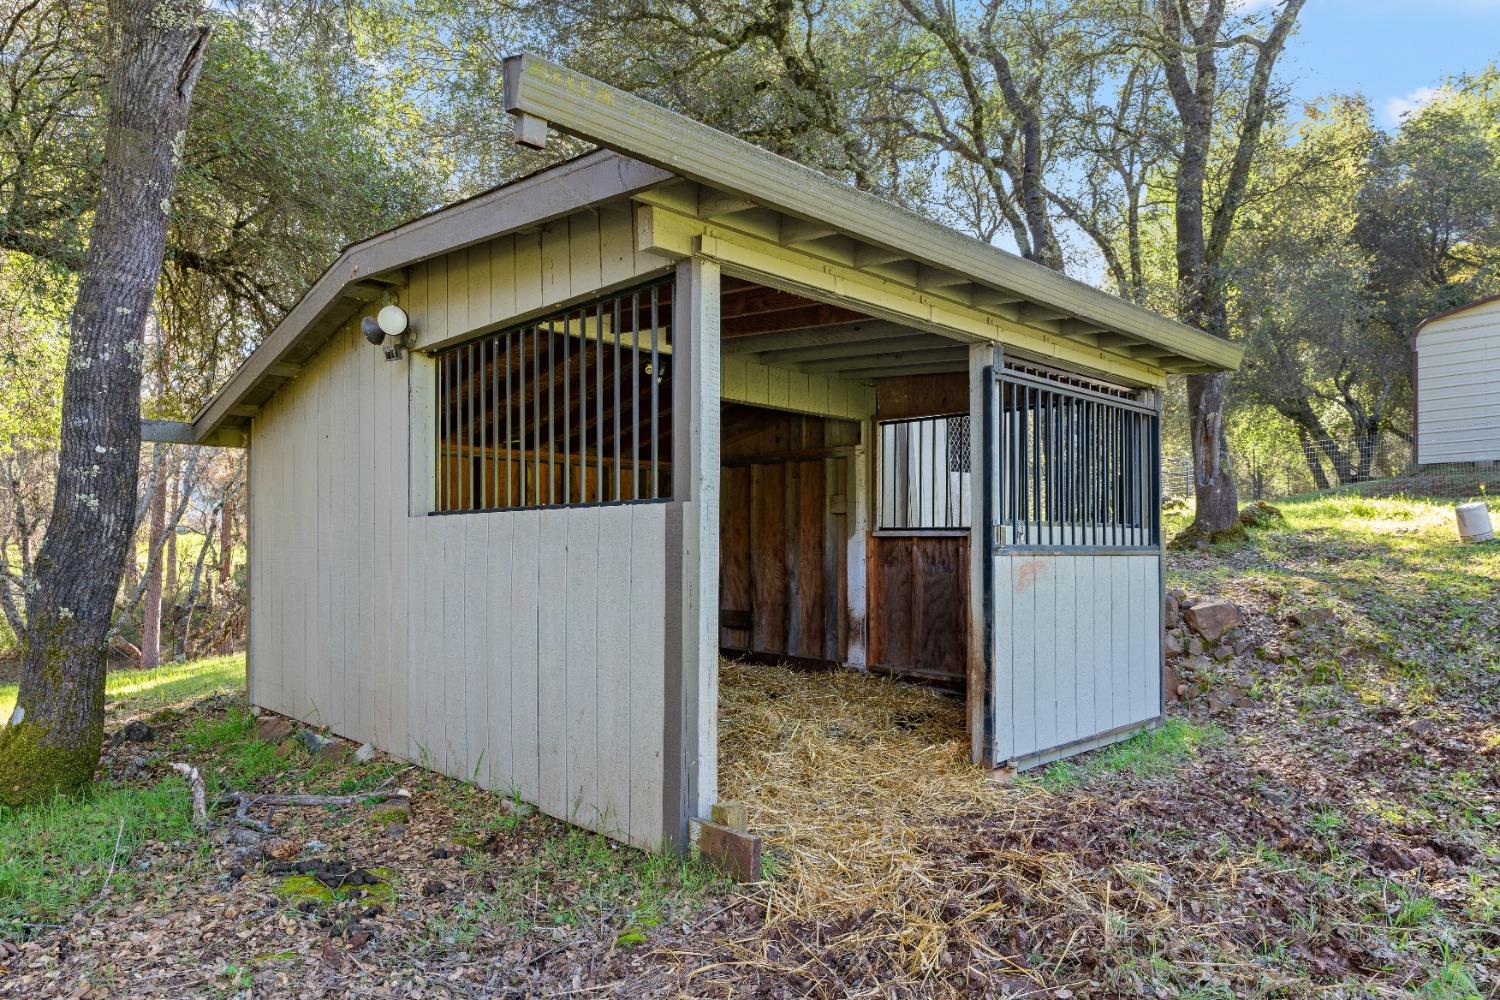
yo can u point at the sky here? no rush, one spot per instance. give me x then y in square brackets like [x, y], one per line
[1395, 52]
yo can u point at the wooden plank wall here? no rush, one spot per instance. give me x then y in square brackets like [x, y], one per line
[747, 381]
[1078, 651]
[919, 606]
[521, 650]
[783, 589]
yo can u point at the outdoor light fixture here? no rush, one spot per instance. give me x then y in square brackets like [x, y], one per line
[387, 328]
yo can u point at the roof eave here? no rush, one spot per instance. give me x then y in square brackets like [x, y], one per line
[540, 93]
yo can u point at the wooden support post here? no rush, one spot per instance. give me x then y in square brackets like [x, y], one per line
[695, 482]
[984, 361]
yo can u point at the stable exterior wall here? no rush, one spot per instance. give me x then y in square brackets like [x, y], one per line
[1458, 387]
[527, 651]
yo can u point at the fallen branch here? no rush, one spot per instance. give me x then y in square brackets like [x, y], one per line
[200, 809]
[241, 817]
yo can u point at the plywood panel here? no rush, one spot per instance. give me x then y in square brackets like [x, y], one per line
[552, 662]
[812, 600]
[648, 649]
[1077, 652]
[583, 651]
[523, 623]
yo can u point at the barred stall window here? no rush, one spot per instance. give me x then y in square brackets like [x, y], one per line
[1079, 462]
[924, 473]
[573, 408]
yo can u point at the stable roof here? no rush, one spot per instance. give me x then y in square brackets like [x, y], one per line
[733, 184]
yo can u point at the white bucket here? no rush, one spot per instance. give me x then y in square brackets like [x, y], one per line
[1474, 522]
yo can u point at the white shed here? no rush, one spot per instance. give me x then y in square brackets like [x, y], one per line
[678, 396]
[1456, 384]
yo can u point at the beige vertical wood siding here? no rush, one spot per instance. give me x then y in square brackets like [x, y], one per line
[1077, 651]
[1458, 387]
[522, 650]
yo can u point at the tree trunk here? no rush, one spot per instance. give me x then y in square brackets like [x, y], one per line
[171, 578]
[57, 728]
[226, 539]
[1320, 478]
[1218, 511]
[151, 611]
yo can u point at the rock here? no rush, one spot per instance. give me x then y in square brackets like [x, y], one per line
[1227, 697]
[1223, 652]
[137, 732]
[1309, 617]
[1423, 728]
[313, 741]
[1178, 594]
[364, 754]
[1212, 617]
[1294, 635]
[1261, 515]
[1172, 611]
[395, 831]
[1243, 645]
[1172, 645]
[272, 728]
[1194, 646]
[331, 754]
[1273, 652]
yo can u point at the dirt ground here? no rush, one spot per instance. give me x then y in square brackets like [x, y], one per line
[1318, 817]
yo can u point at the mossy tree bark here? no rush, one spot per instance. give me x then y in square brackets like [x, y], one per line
[56, 731]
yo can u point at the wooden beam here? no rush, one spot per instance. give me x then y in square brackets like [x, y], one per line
[795, 231]
[800, 318]
[852, 349]
[932, 277]
[715, 204]
[863, 331]
[924, 368]
[898, 359]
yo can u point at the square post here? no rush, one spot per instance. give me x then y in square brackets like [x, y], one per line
[695, 485]
[985, 363]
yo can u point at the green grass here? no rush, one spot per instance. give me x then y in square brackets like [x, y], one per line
[1153, 752]
[233, 755]
[57, 857]
[144, 689]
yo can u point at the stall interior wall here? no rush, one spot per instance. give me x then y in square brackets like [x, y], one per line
[785, 514]
[919, 577]
[523, 650]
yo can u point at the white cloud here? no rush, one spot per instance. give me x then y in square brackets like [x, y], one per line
[1397, 108]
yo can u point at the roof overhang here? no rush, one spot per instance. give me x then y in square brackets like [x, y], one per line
[366, 270]
[741, 185]
[689, 171]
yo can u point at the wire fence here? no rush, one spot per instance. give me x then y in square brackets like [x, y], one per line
[1374, 466]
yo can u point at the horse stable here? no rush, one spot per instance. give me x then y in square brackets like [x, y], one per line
[522, 470]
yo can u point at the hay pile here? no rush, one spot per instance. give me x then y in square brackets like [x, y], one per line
[865, 793]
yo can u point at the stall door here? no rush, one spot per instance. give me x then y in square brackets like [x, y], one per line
[1074, 576]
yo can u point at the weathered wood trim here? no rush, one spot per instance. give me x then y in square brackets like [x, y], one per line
[984, 361]
[530, 201]
[817, 204]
